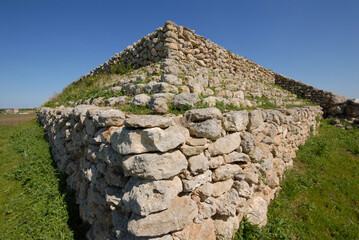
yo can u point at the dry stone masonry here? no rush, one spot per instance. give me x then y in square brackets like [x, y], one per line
[333, 105]
[189, 63]
[174, 177]
[190, 176]
[176, 42]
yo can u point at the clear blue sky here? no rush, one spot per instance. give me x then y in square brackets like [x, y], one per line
[46, 44]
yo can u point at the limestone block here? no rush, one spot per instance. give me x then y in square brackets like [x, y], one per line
[226, 227]
[236, 157]
[243, 189]
[196, 115]
[215, 162]
[225, 145]
[206, 209]
[227, 203]
[256, 211]
[190, 184]
[205, 230]
[163, 87]
[219, 188]
[171, 79]
[251, 174]
[204, 191]
[116, 101]
[248, 143]
[129, 141]
[208, 129]
[109, 117]
[155, 165]
[148, 121]
[184, 99]
[196, 141]
[140, 100]
[255, 119]
[198, 164]
[225, 172]
[146, 196]
[256, 155]
[175, 218]
[159, 106]
[195, 88]
[235, 121]
[192, 150]
[113, 195]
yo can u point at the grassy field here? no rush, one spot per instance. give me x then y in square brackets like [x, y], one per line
[319, 200]
[34, 203]
[14, 119]
[320, 196]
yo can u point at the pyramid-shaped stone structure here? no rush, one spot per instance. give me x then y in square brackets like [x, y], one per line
[206, 154]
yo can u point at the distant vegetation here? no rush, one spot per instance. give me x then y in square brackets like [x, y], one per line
[319, 199]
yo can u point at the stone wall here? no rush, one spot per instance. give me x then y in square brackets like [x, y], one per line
[148, 50]
[333, 105]
[182, 44]
[174, 177]
[185, 45]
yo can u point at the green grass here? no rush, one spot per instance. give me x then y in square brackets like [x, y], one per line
[320, 196]
[34, 203]
[91, 87]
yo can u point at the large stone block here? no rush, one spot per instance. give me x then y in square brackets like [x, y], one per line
[225, 145]
[128, 141]
[146, 196]
[181, 214]
[155, 165]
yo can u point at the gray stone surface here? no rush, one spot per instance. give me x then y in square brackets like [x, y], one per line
[225, 145]
[225, 172]
[171, 79]
[235, 121]
[155, 166]
[184, 99]
[255, 119]
[148, 121]
[248, 143]
[236, 157]
[198, 164]
[110, 117]
[140, 100]
[159, 106]
[146, 196]
[196, 115]
[208, 129]
[175, 218]
[257, 211]
[127, 141]
[196, 181]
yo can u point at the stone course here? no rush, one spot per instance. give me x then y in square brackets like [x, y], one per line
[333, 105]
[154, 177]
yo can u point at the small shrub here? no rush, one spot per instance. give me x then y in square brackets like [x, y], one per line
[121, 68]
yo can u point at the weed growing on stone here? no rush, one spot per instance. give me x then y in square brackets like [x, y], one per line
[140, 110]
[121, 68]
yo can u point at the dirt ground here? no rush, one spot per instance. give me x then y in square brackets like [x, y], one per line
[14, 119]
